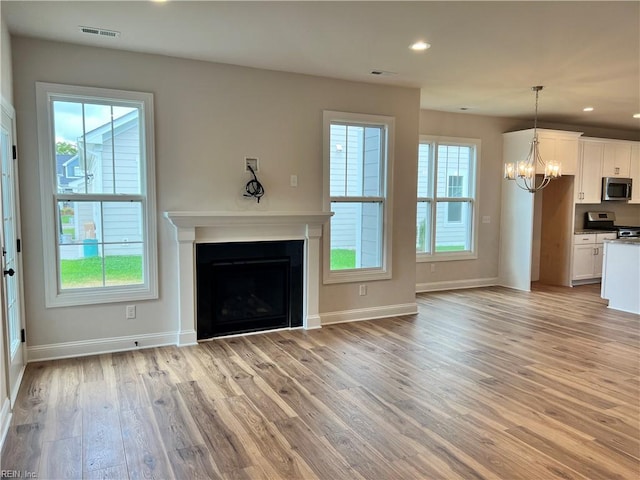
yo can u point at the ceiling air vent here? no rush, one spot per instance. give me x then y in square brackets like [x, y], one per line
[383, 73]
[99, 31]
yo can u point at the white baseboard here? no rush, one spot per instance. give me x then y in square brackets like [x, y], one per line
[95, 347]
[18, 382]
[372, 313]
[313, 322]
[5, 421]
[457, 284]
[187, 338]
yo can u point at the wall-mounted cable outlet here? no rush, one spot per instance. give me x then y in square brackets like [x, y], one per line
[251, 162]
[131, 312]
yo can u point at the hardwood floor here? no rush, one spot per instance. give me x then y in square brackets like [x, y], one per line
[481, 384]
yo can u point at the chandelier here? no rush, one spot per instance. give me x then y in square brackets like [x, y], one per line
[524, 171]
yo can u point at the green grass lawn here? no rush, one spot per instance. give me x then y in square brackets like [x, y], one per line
[449, 248]
[343, 259]
[87, 272]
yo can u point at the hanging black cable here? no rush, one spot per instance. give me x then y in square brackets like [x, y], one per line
[254, 188]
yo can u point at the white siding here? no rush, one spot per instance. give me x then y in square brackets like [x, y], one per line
[356, 171]
[118, 224]
[452, 161]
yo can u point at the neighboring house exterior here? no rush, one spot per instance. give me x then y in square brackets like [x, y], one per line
[105, 160]
[356, 170]
[66, 169]
[453, 180]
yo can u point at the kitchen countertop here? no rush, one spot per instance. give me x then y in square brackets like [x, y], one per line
[630, 241]
[592, 230]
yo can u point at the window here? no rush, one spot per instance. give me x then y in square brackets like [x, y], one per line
[454, 189]
[98, 194]
[445, 219]
[357, 153]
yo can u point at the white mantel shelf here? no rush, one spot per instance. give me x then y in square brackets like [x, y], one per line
[194, 227]
[191, 219]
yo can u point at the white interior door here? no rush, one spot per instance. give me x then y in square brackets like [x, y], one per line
[11, 265]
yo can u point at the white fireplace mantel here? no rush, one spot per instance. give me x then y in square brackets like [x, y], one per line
[214, 227]
[225, 219]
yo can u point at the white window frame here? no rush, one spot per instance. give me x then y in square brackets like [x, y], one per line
[433, 200]
[46, 93]
[359, 274]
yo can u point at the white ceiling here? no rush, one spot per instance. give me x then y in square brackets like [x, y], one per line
[485, 56]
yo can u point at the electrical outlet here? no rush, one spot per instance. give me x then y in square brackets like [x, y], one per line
[363, 290]
[250, 162]
[486, 219]
[131, 312]
[433, 267]
[293, 181]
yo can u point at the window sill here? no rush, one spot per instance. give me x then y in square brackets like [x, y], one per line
[352, 276]
[115, 295]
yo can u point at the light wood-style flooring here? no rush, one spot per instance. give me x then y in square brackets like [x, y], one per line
[482, 384]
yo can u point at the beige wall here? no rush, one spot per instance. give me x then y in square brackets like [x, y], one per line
[6, 83]
[207, 118]
[489, 130]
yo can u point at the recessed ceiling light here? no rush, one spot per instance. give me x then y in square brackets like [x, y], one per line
[636, 115]
[419, 46]
[587, 109]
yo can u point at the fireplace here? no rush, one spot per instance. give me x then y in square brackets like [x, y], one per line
[202, 227]
[246, 287]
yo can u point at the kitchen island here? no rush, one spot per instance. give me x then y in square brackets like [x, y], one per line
[621, 274]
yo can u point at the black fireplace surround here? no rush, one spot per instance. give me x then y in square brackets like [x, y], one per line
[246, 287]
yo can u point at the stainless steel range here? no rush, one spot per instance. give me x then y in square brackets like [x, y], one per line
[606, 221]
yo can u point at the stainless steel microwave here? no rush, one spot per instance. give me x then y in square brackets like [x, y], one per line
[614, 188]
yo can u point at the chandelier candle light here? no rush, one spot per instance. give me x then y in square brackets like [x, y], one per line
[524, 172]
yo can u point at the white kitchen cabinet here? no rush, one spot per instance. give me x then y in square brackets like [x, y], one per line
[583, 260]
[561, 147]
[587, 255]
[597, 259]
[617, 159]
[554, 145]
[634, 173]
[588, 183]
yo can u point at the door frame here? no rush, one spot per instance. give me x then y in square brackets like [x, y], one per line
[12, 390]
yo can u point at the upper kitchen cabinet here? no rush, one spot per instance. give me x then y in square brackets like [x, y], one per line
[588, 184]
[554, 145]
[617, 159]
[634, 173]
[561, 147]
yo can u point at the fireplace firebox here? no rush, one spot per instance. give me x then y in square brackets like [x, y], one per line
[246, 287]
